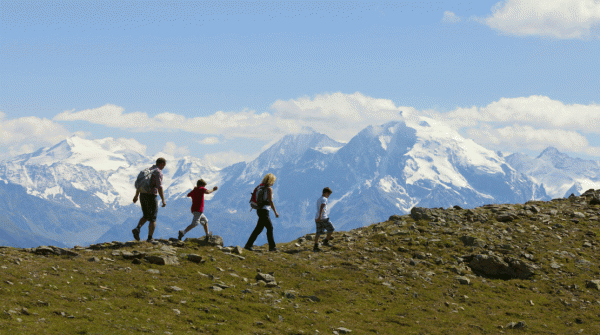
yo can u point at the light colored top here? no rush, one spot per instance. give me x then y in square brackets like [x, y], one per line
[266, 197]
[322, 200]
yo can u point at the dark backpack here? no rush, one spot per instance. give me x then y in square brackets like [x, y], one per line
[143, 180]
[257, 200]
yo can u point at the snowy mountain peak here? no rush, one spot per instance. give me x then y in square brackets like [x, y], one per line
[549, 153]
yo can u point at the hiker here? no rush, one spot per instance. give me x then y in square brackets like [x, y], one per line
[265, 192]
[322, 220]
[197, 195]
[148, 199]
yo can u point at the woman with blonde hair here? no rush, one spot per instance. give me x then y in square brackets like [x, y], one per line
[265, 199]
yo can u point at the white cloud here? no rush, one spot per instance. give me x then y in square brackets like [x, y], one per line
[528, 123]
[224, 159]
[24, 135]
[562, 19]
[173, 150]
[234, 124]
[450, 17]
[210, 140]
[536, 111]
[339, 115]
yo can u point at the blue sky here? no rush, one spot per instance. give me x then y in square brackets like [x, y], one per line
[220, 80]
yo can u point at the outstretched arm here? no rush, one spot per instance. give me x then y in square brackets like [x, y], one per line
[210, 191]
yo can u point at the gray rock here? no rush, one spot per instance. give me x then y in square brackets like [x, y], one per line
[237, 250]
[265, 277]
[595, 201]
[174, 289]
[195, 258]
[43, 250]
[420, 213]
[162, 259]
[470, 241]
[504, 268]
[395, 217]
[94, 259]
[593, 284]
[65, 252]
[463, 280]
[212, 241]
[516, 325]
[505, 217]
[153, 271]
[343, 330]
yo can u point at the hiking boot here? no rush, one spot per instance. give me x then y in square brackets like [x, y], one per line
[248, 248]
[151, 240]
[181, 233]
[326, 242]
[136, 233]
[273, 249]
[316, 248]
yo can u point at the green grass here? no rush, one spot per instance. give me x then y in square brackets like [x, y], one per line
[365, 285]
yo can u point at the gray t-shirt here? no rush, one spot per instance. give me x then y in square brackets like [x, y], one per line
[322, 200]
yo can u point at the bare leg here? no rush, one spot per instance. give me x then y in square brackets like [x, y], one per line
[141, 223]
[329, 237]
[317, 238]
[206, 229]
[151, 227]
[188, 228]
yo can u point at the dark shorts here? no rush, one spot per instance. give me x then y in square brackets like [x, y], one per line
[149, 203]
[324, 225]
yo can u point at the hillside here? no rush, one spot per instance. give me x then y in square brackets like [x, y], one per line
[532, 268]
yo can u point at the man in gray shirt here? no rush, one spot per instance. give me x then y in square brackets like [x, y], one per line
[149, 201]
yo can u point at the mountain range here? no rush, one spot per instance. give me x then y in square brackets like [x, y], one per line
[80, 191]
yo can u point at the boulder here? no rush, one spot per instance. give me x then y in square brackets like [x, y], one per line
[594, 284]
[162, 259]
[211, 241]
[265, 277]
[470, 241]
[420, 213]
[493, 266]
[195, 258]
[43, 250]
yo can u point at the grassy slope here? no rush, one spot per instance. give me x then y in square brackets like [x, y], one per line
[364, 283]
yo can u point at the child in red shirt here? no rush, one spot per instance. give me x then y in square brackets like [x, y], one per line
[197, 195]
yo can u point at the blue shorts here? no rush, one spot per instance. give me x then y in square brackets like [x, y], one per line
[324, 225]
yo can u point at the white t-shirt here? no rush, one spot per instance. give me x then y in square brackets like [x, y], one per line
[322, 200]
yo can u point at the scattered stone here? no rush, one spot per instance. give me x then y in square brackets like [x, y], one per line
[174, 289]
[470, 241]
[237, 250]
[162, 259]
[195, 258]
[265, 277]
[593, 284]
[463, 280]
[343, 330]
[516, 325]
[153, 271]
[211, 241]
[504, 268]
[43, 250]
[94, 259]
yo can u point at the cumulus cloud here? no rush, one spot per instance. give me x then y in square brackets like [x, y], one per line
[173, 150]
[450, 17]
[234, 124]
[537, 111]
[562, 19]
[340, 115]
[226, 158]
[210, 140]
[528, 123]
[23, 135]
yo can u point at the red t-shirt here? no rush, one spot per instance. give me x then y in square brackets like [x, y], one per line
[197, 196]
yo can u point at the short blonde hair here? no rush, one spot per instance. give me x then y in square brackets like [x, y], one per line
[268, 179]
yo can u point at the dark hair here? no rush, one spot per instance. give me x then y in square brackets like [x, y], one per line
[327, 190]
[161, 161]
[200, 183]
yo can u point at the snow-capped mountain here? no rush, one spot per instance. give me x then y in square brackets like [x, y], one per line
[97, 174]
[560, 174]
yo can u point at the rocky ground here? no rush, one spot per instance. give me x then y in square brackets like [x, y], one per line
[532, 268]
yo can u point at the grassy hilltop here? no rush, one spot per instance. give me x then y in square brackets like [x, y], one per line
[531, 268]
